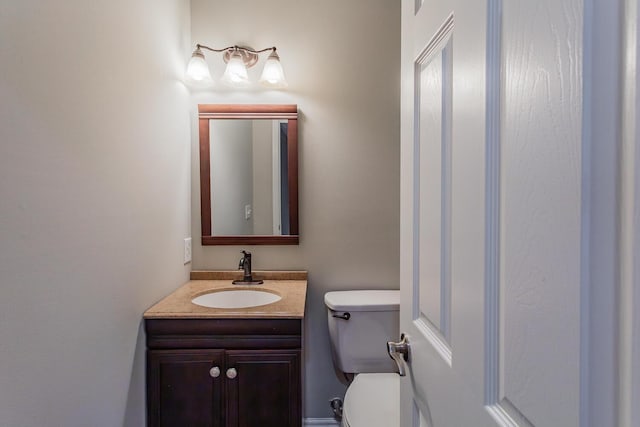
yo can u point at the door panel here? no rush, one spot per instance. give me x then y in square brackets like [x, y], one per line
[433, 151]
[541, 148]
[492, 212]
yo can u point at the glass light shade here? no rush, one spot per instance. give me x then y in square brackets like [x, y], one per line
[273, 74]
[236, 72]
[198, 70]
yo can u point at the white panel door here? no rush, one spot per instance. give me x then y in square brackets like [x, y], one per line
[492, 236]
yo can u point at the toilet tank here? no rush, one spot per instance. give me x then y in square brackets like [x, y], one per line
[359, 343]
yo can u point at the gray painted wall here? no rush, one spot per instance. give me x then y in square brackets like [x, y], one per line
[94, 201]
[263, 176]
[342, 63]
[231, 158]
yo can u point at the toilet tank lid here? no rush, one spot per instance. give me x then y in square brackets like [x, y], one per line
[368, 300]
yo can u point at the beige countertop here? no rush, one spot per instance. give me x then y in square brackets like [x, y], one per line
[290, 285]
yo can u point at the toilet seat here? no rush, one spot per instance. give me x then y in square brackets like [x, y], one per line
[372, 400]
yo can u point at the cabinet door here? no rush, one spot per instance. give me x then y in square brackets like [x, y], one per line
[183, 389]
[266, 389]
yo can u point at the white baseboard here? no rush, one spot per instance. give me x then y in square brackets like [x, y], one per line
[321, 422]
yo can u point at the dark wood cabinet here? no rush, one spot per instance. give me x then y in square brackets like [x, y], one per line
[181, 390]
[267, 384]
[224, 372]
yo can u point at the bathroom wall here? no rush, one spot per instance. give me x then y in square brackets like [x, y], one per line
[94, 201]
[263, 137]
[231, 175]
[341, 59]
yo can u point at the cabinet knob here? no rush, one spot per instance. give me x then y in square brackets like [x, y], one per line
[232, 373]
[214, 372]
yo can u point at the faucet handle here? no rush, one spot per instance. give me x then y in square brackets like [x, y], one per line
[245, 256]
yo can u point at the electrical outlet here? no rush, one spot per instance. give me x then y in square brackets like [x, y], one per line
[247, 212]
[187, 250]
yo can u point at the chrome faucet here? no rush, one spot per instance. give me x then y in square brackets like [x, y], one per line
[245, 264]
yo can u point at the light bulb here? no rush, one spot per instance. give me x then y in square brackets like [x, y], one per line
[236, 72]
[198, 70]
[273, 74]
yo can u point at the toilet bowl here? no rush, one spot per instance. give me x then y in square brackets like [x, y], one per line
[360, 325]
[372, 400]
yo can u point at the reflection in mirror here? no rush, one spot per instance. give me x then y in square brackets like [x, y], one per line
[249, 185]
[248, 174]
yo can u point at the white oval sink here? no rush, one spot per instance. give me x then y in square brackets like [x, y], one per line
[241, 298]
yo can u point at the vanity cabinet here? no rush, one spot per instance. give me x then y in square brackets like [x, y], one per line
[224, 372]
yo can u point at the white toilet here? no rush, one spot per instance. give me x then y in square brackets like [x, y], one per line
[360, 324]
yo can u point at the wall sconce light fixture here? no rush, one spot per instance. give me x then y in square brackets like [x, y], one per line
[238, 59]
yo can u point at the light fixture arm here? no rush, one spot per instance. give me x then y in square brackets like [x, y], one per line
[236, 48]
[201, 46]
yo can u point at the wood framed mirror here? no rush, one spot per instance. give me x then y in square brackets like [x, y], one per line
[248, 174]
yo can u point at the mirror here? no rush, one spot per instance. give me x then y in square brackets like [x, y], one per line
[249, 174]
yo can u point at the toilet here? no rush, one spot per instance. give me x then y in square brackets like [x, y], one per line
[360, 325]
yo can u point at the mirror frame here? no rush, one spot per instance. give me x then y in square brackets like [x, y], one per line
[207, 112]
